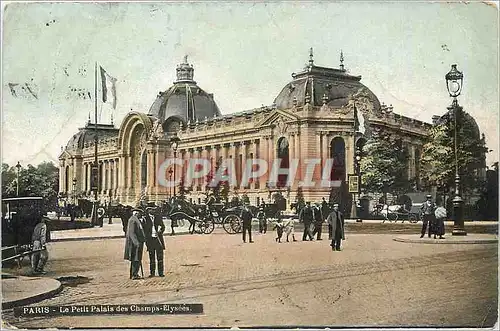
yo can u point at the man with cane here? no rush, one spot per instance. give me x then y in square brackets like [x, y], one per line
[134, 243]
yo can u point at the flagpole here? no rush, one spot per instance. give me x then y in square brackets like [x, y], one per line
[96, 168]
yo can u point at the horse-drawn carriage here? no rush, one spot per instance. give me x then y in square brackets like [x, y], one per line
[19, 218]
[203, 217]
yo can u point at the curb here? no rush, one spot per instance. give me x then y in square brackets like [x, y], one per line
[444, 241]
[33, 299]
[122, 236]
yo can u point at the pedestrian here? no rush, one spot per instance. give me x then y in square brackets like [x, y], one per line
[317, 221]
[440, 215]
[125, 214]
[39, 240]
[428, 208]
[336, 221]
[134, 243]
[261, 215]
[153, 231]
[306, 217]
[246, 216]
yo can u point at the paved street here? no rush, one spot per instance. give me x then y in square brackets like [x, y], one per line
[373, 281]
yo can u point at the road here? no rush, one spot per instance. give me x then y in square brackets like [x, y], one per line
[373, 281]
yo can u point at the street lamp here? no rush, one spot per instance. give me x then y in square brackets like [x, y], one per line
[170, 179]
[74, 190]
[454, 83]
[18, 167]
[175, 145]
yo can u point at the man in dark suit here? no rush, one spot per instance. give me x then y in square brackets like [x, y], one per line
[336, 222]
[427, 210]
[318, 221]
[246, 217]
[134, 243]
[306, 217]
[153, 231]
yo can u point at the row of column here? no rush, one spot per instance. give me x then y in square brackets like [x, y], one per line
[108, 175]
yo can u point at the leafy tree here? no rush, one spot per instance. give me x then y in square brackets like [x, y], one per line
[301, 202]
[384, 164]
[438, 154]
[279, 200]
[42, 181]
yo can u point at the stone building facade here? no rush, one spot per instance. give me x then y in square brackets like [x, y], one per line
[312, 117]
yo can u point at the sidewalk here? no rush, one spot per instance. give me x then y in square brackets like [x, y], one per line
[107, 231]
[473, 238]
[22, 291]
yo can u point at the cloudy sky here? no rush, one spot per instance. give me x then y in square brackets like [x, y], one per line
[244, 53]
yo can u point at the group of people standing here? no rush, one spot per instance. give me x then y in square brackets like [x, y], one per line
[313, 217]
[145, 227]
[433, 218]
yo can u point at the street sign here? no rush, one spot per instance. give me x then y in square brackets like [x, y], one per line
[354, 183]
[94, 179]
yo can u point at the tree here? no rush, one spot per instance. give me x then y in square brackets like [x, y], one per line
[42, 181]
[384, 164]
[438, 154]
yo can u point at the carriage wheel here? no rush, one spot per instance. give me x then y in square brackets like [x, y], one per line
[234, 223]
[199, 227]
[226, 224]
[209, 227]
[413, 218]
[392, 216]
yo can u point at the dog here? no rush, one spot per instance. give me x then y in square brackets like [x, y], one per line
[284, 226]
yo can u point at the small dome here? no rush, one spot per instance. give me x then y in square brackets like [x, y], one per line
[185, 99]
[87, 135]
[321, 85]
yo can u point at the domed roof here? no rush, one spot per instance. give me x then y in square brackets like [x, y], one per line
[87, 135]
[185, 99]
[322, 85]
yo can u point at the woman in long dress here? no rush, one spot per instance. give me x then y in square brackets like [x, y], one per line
[440, 214]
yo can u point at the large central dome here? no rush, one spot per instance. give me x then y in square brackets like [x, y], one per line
[320, 85]
[185, 99]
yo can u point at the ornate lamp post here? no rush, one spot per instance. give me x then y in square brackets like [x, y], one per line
[18, 168]
[454, 83]
[74, 191]
[170, 179]
[175, 145]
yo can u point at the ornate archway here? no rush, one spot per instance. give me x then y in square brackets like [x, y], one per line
[283, 153]
[337, 154]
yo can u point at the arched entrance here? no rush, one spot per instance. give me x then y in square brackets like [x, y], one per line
[284, 156]
[144, 170]
[337, 153]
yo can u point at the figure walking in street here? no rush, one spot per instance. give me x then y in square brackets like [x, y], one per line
[428, 208]
[318, 221]
[261, 215]
[39, 239]
[440, 215]
[153, 231]
[306, 217]
[336, 222]
[246, 217]
[134, 243]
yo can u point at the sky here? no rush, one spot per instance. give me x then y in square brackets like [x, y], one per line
[243, 53]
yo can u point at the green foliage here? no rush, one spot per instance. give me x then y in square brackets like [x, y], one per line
[301, 202]
[384, 164]
[42, 181]
[438, 154]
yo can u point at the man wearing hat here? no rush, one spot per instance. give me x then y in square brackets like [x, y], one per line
[39, 240]
[428, 208]
[134, 243]
[261, 215]
[336, 222]
[246, 217]
[153, 230]
[306, 216]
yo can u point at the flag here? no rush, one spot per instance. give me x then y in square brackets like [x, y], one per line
[108, 87]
